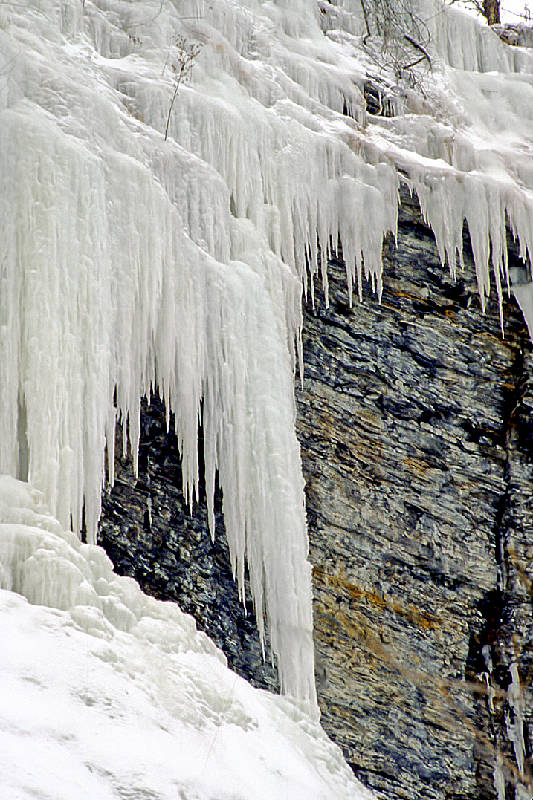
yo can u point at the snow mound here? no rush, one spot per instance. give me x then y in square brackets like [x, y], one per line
[110, 694]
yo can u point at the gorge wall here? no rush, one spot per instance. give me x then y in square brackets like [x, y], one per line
[417, 450]
[417, 446]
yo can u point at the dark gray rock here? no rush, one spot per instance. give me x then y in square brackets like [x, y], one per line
[414, 422]
[149, 533]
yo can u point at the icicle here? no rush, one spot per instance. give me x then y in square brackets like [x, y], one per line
[499, 777]
[515, 727]
[524, 297]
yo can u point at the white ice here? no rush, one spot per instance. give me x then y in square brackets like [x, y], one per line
[131, 264]
[515, 727]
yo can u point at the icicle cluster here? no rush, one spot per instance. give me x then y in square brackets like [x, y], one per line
[132, 264]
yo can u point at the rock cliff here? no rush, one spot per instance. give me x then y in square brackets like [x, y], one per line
[417, 445]
[416, 431]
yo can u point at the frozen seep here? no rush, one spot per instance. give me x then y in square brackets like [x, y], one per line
[515, 726]
[524, 297]
[117, 295]
[131, 264]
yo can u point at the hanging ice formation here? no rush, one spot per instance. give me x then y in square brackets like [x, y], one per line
[131, 264]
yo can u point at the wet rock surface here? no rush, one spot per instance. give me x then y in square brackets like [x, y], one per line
[151, 535]
[415, 423]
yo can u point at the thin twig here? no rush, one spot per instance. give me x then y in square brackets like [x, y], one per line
[174, 95]
[182, 68]
[418, 47]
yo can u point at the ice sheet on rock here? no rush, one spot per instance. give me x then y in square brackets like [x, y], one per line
[143, 704]
[119, 275]
[461, 131]
[467, 43]
[132, 264]
[524, 297]
[464, 141]
[100, 305]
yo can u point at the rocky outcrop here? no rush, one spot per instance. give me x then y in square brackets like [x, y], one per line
[413, 418]
[150, 534]
[417, 447]
[519, 35]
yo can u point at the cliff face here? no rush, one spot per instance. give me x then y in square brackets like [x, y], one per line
[417, 447]
[150, 534]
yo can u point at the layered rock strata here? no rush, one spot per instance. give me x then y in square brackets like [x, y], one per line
[417, 446]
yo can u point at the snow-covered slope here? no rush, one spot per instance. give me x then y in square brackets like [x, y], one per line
[108, 694]
[130, 262]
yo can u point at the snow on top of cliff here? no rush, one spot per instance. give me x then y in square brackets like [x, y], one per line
[131, 263]
[107, 693]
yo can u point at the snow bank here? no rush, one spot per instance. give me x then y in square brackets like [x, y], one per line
[107, 693]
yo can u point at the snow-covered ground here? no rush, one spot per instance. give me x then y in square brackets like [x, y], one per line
[106, 694]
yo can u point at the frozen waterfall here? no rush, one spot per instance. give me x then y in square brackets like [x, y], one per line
[132, 264]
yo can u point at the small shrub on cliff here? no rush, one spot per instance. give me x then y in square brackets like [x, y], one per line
[185, 55]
